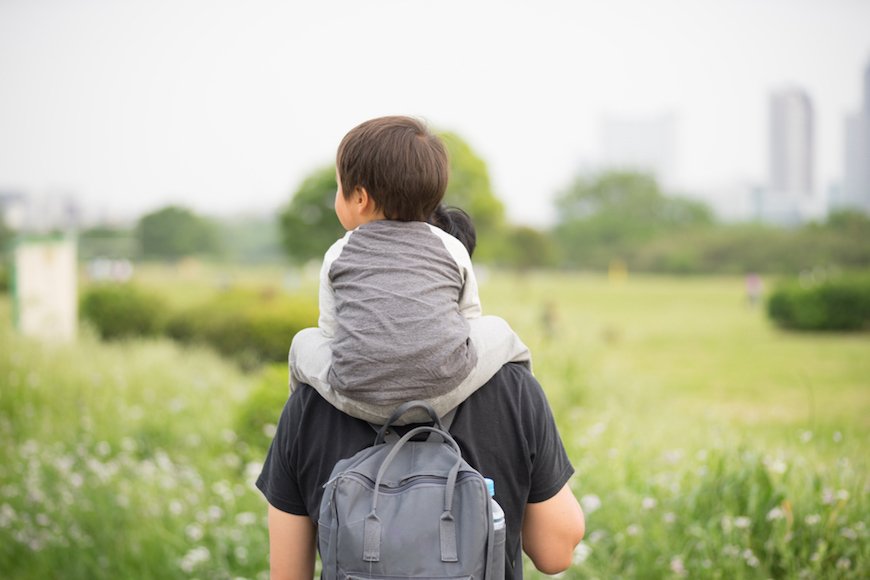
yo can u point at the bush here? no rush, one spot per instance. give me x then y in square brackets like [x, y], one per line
[123, 310]
[256, 417]
[841, 303]
[251, 327]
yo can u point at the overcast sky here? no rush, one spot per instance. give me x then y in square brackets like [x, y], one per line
[226, 105]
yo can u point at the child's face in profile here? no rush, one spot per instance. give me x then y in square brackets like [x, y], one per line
[346, 217]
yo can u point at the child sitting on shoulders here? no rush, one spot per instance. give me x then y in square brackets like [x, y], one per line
[400, 317]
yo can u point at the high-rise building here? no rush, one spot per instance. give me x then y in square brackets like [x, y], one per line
[789, 197]
[856, 170]
[791, 143]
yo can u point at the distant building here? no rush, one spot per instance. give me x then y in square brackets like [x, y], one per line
[790, 194]
[856, 170]
[647, 144]
[40, 214]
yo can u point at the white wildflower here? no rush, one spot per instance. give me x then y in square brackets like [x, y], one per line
[726, 522]
[194, 558]
[812, 519]
[806, 436]
[849, 533]
[730, 551]
[241, 553]
[103, 448]
[176, 507]
[837, 437]
[246, 519]
[43, 520]
[269, 430]
[827, 496]
[844, 564]
[194, 532]
[648, 503]
[775, 514]
[669, 517]
[843, 495]
[633, 530]
[742, 522]
[590, 503]
[215, 513]
[581, 553]
[677, 566]
[7, 515]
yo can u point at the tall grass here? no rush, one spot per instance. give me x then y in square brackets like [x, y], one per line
[707, 443]
[119, 461]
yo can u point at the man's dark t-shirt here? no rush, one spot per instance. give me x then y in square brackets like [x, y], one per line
[505, 430]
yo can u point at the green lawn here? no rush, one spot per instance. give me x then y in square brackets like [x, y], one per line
[708, 444]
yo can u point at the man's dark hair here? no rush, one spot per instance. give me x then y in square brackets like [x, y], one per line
[399, 162]
[457, 223]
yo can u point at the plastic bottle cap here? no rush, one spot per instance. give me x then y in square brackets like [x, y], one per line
[490, 486]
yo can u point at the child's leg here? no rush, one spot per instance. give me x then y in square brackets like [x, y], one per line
[496, 344]
[310, 358]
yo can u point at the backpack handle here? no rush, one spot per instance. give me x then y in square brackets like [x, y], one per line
[401, 410]
[372, 525]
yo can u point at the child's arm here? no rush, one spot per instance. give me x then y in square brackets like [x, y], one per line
[326, 298]
[469, 300]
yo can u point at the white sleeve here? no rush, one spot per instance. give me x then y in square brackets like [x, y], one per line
[469, 300]
[326, 321]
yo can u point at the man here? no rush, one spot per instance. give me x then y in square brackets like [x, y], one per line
[505, 430]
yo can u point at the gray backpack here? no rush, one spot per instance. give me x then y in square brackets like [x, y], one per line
[409, 509]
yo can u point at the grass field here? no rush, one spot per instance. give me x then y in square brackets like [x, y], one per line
[707, 443]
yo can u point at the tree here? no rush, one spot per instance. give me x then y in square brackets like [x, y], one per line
[469, 187]
[524, 248]
[611, 214]
[174, 232]
[308, 223]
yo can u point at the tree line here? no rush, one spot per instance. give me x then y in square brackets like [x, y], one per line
[612, 217]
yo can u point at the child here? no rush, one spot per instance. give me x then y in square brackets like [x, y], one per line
[400, 317]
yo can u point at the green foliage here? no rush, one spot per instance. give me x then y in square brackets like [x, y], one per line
[525, 248]
[122, 311]
[174, 232]
[4, 278]
[469, 187]
[699, 450]
[251, 240]
[251, 327]
[118, 460]
[107, 242]
[309, 226]
[256, 417]
[308, 223]
[611, 215]
[838, 303]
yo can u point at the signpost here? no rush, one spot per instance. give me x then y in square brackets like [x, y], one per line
[45, 287]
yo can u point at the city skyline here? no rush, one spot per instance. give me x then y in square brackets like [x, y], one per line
[225, 107]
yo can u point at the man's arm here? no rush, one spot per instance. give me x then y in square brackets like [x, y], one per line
[551, 531]
[291, 546]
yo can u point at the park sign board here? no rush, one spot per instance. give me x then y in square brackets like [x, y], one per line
[44, 287]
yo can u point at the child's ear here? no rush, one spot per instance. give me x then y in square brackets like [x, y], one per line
[363, 201]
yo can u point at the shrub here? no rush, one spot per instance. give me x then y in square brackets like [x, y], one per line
[257, 415]
[841, 303]
[251, 327]
[123, 310]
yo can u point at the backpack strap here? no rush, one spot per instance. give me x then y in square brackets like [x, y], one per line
[385, 434]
